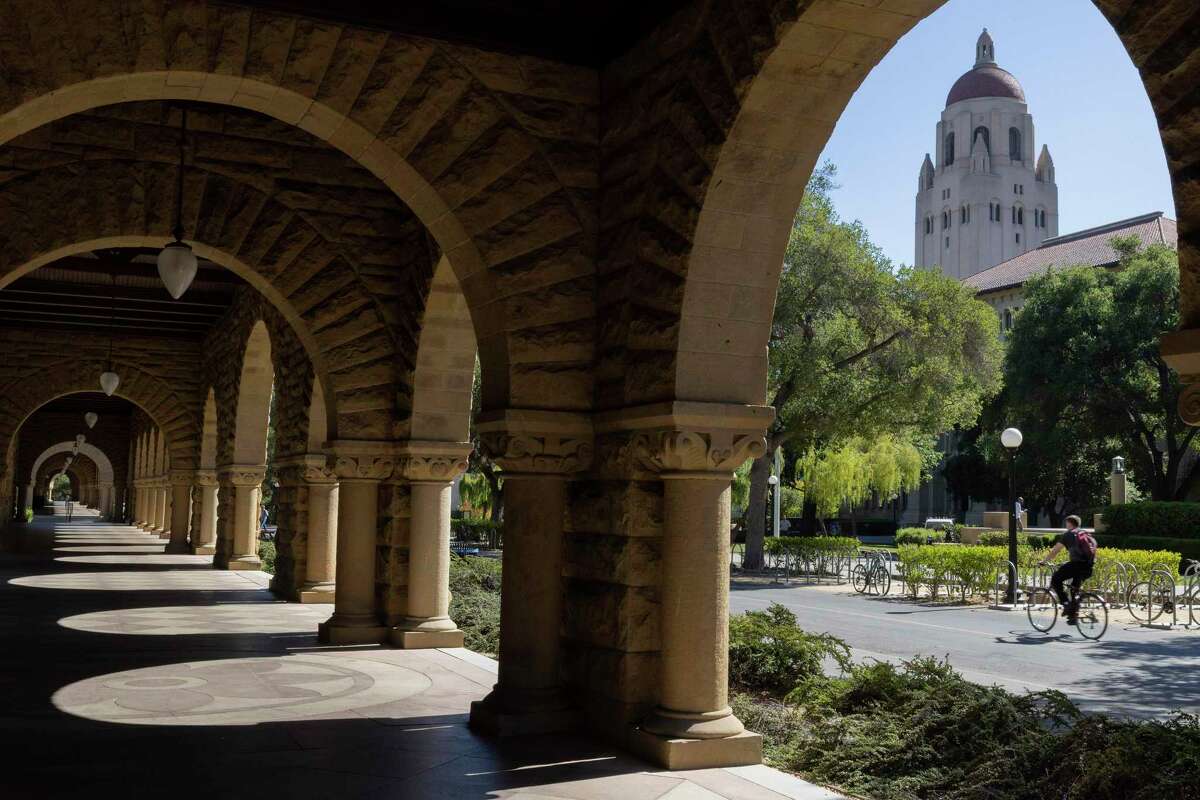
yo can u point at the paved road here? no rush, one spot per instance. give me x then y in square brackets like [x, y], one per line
[1131, 671]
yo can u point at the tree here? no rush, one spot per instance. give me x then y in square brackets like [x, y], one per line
[1085, 379]
[859, 349]
[479, 464]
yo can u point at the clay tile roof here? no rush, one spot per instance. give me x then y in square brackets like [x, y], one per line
[987, 80]
[1087, 247]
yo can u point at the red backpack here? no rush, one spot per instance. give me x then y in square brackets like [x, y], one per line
[1086, 542]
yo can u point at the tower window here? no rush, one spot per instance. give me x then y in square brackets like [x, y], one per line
[1014, 215]
[947, 242]
[1014, 144]
[1020, 216]
[1018, 238]
[982, 130]
[948, 149]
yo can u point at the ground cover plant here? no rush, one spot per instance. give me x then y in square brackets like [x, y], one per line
[475, 601]
[920, 731]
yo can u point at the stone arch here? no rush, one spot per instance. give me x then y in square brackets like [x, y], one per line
[82, 470]
[733, 142]
[445, 363]
[36, 385]
[498, 185]
[104, 468]
[247, 441]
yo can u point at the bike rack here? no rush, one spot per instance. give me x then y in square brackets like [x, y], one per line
[1007, 574]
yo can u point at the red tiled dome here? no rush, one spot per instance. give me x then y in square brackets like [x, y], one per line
[985, 81]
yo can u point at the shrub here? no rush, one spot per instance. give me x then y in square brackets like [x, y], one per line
[768, 652]
[27, 514]
[266, 554]
[1153, 518]
[1038, 541]
[475, 601]
[820, 554]
[917, 536]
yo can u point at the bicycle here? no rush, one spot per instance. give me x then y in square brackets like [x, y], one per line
[1092, 611]
[872, 578]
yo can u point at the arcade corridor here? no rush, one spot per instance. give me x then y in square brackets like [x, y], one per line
[137, 669]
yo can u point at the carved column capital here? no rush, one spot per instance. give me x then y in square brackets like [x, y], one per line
[204, 477]
[304, 469]
[242, 474]
[424, 461]
[537, 442]
[689, 437]
[181, 477]
[1181, 350]
[361, 460]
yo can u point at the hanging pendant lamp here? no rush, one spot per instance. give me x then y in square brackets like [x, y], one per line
[177, 263]
[91, 418]
[109, 380]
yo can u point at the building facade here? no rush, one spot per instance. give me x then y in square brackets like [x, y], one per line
[984, 197]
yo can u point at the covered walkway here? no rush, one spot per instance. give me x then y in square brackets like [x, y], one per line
[128, 670]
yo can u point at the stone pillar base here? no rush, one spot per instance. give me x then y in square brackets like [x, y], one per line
[163, 534]
[425, 640]
[330, 633]
[320, 593]
[734, 751]
[204, 550]
[487, 717]
[244, 562]
[177, 548]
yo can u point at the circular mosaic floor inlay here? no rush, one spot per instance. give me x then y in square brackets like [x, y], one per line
[244, 691]
[225, 618]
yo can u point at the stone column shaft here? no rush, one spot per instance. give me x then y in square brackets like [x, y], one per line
[163, 510]
[320, 558]
[237, 547]
[181, 511]
[430, 468]
[359, 468]
[204, 537]
[538, 451]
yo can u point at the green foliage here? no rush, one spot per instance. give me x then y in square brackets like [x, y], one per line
[475, 531]
[812, 546]
[1187, 549]
[266, 554]
[791, 501]
[857, 470]
[1164, 519]
[768, 652]
[974, 569]
[27, 514]
[1086, 381]
[740, 489]
[1038, 541]
[475, 601]
[919, 730]
[917, 536]
[476, 493]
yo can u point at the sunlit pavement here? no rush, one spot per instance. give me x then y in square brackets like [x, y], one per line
[128, 672]
[1132, 671]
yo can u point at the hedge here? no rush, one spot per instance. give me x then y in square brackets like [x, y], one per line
[808, 546]
[1188, 549]
[918, 536]
[978, 567]
[1035, 540]
[1153, 519]
[470, 529]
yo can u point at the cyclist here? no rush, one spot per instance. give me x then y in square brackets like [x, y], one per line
[1081, 546]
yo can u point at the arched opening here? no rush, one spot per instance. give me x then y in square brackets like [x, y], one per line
[1014, 145]
[242, 466]
[948, 149]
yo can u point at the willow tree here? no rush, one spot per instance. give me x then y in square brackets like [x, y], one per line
[857, 469]
[860, 349]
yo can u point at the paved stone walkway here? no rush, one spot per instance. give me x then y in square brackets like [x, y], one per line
[128, 672]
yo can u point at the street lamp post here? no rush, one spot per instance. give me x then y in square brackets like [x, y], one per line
[1011, 439]
[774, 483]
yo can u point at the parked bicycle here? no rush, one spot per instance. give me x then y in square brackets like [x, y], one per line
[872, 576]
[1042, 608]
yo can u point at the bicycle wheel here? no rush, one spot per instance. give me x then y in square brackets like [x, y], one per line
[859, 578]
[1042, 608]
[1092, 619]
[1146, 601]
[882, 580]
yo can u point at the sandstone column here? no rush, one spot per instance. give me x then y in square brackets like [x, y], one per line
[359, 466]
[162, 507]
[320, 548]
[204, 513]
[538, 452]
[154, 522]
[237, 535]
[29, 495]
[181, 510]
[430, 468]
[106, 501]
[693, 725]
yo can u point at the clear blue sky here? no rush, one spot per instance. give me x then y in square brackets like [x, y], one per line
[1086, 98]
